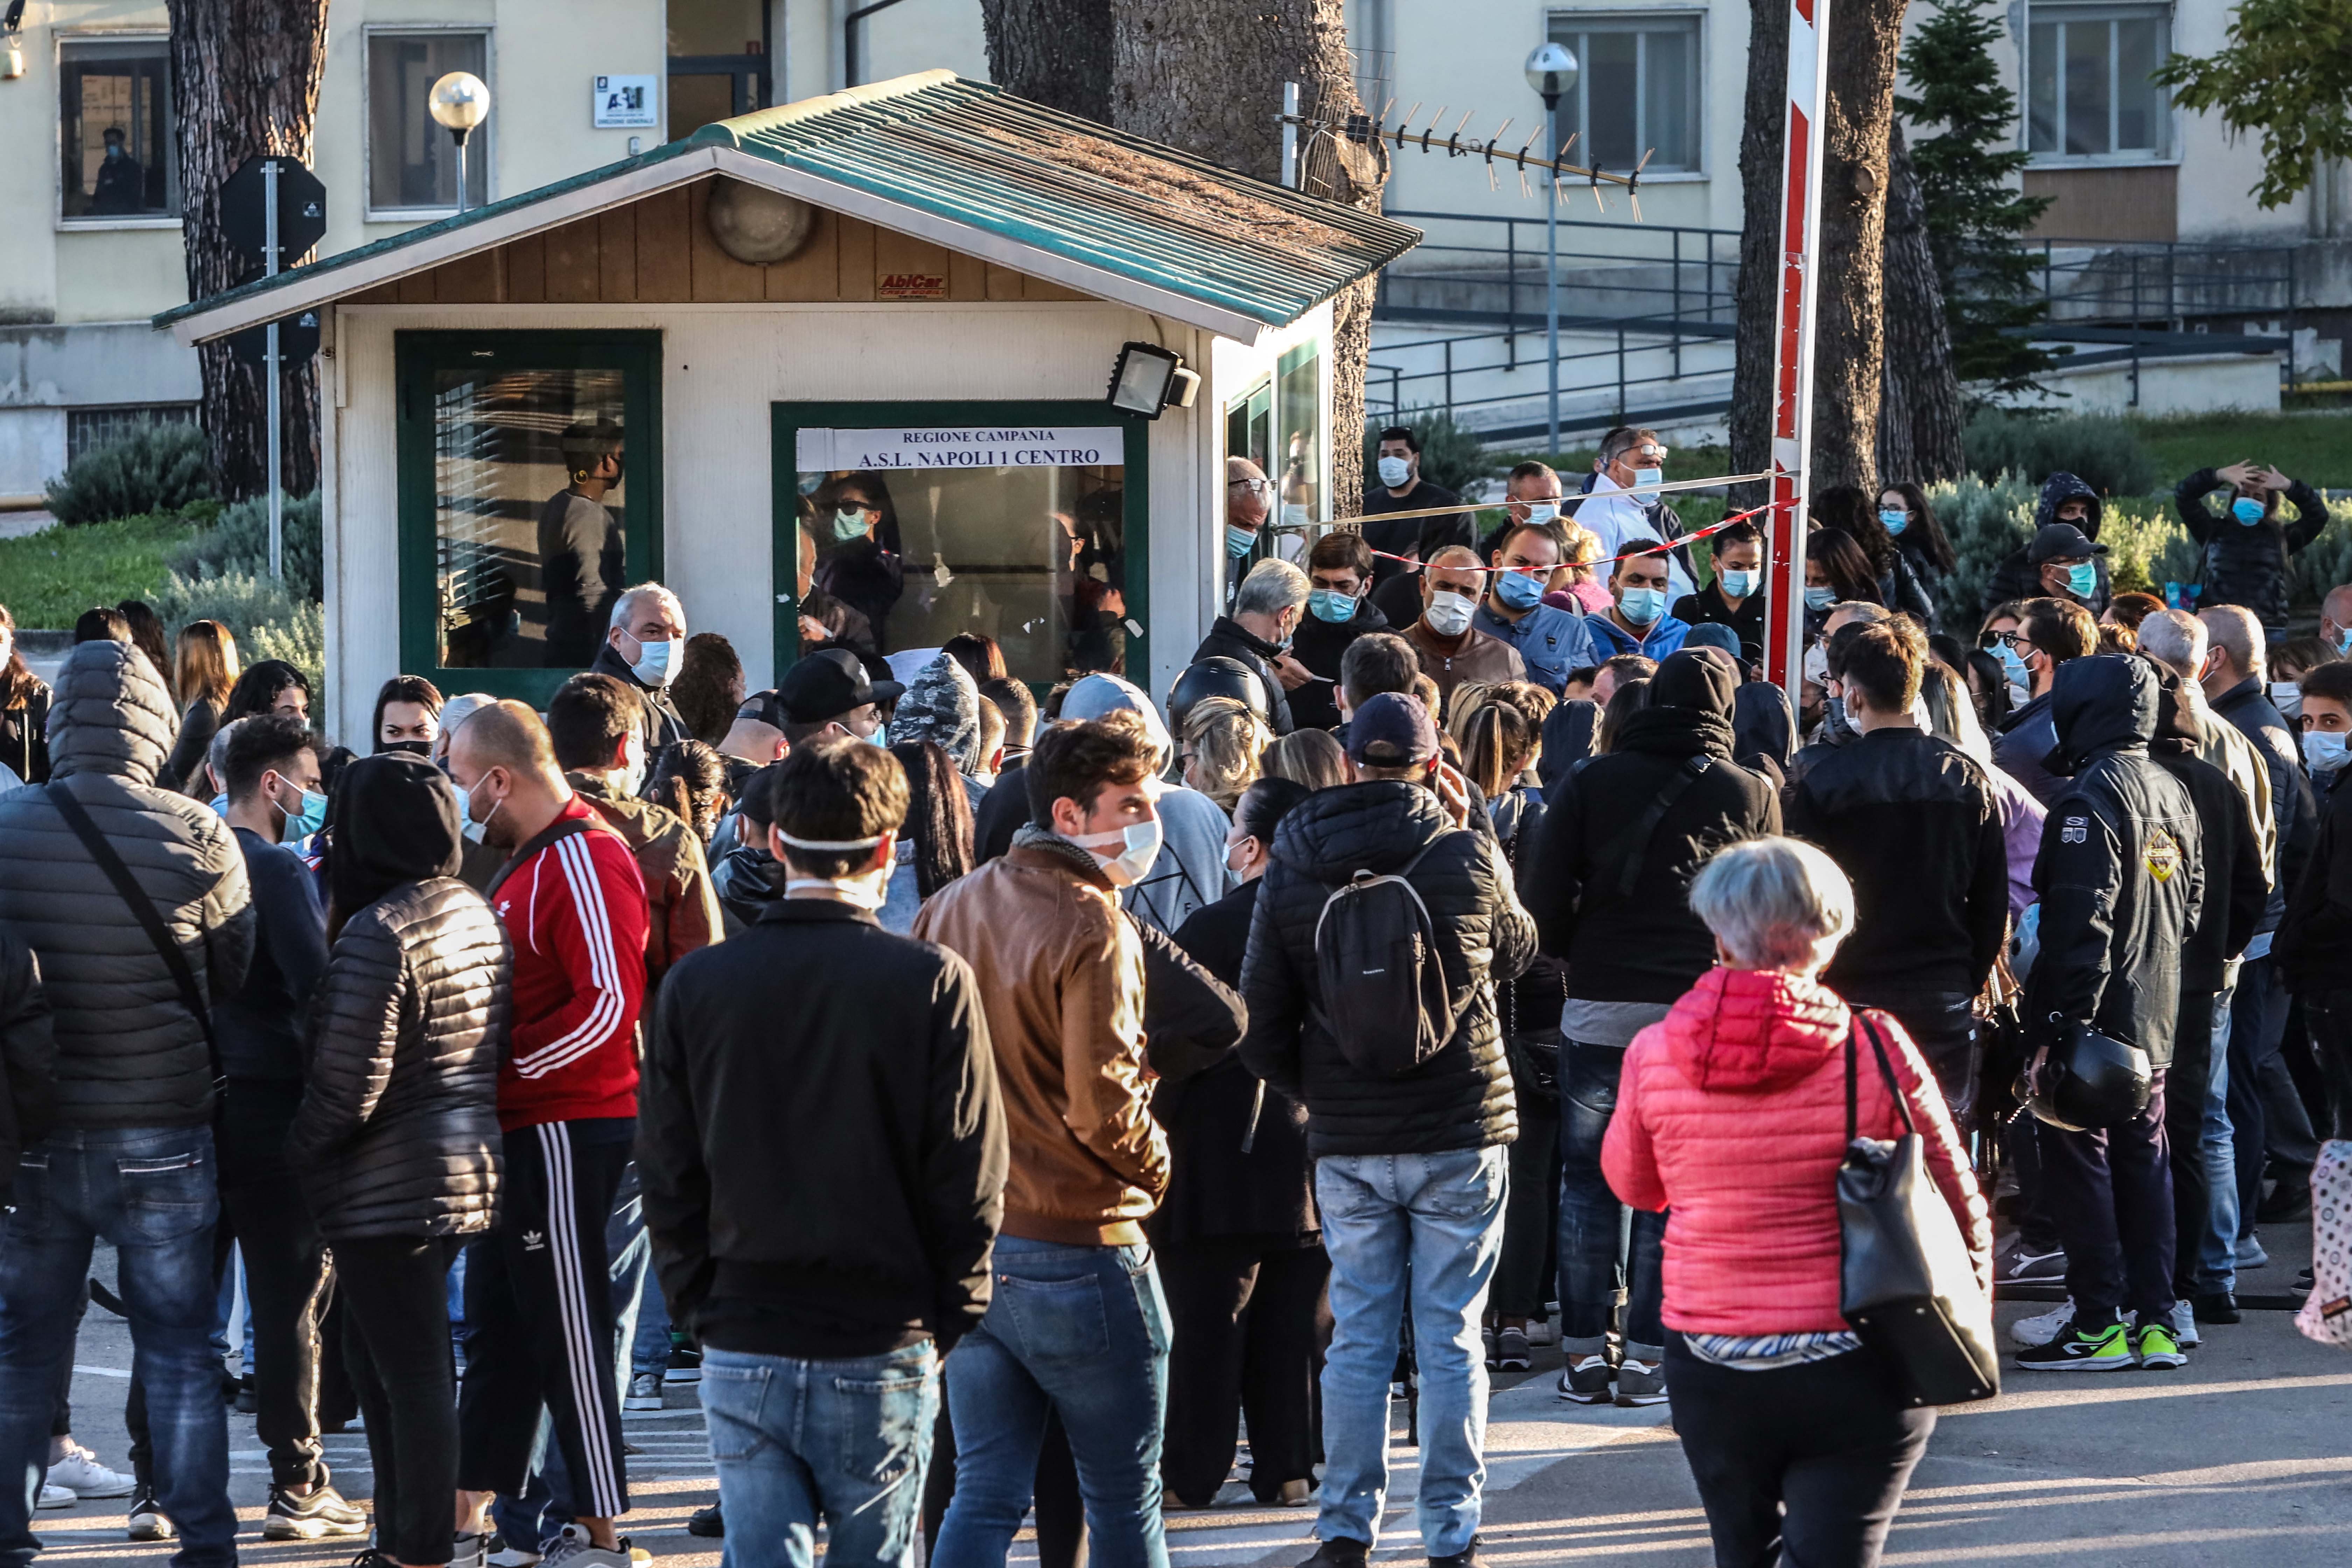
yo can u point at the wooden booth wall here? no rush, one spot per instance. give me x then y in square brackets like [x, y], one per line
[659, 251]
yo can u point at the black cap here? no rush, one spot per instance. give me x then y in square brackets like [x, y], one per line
[2054, 541]
[828, 684]
[1390, 731]
[762, 708]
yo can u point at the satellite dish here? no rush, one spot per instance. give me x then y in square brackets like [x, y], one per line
[755, 225]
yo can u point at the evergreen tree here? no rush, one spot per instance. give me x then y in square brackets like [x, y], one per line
[1975, 214]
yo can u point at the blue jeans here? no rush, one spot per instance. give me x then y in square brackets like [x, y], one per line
[846, 1441]
[151, 1191]
[1595, 1256]
[2217, 1260]
[1426, 1227]
[1085, 1331]
[639, 1313]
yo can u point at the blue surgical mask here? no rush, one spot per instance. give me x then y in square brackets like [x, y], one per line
[1820, 598]
[2013, 665]
[1332, 606]
[308, 820]
[1894, 521]
[1647, 480]
[472, 829]
[1394, 471]
[2344, 642]
[1519, 590]
[1238, 541]
[2247, 510]
[1641, 606]
[1740, 584]
[1542, 510]
[2322, 750]
[848, 523]
[2082, 581]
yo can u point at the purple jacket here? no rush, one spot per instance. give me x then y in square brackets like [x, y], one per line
[2021, 833]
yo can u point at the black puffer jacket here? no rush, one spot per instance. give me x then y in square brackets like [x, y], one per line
[1228, 638]
[2246, 563]
[129, 1054]
[398, 1133]
[2121, 871]
[1458, 1098]
[2015, 578]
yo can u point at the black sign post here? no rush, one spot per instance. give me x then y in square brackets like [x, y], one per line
[272, 207]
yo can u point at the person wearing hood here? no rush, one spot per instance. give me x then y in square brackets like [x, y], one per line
[1763, 725]
[1339, 609]
[745, 880]
[642, 649]
[1189, 872]
[134, 1083]
[2246, 547]
[1268, 608]
[1625, 834]
[2121, 879]
[941, 705]
[1409, 1165]
[2080, 570]
[395, 1144]
[1732, 1117]
[2053, 633]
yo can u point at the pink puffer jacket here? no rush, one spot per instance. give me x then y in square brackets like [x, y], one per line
[1731, 1114]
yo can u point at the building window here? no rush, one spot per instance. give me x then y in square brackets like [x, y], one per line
[115, 97]
[2088, 92]
[411, 161]
[1637, 90]
[88, 430]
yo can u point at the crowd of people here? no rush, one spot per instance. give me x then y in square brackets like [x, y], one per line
[1000, 1106]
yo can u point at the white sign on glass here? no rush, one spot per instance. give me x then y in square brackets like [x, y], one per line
[963, 447]
[627, 102]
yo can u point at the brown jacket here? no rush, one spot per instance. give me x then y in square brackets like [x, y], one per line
[680, 904]
[1482, 658]
[1060, 979]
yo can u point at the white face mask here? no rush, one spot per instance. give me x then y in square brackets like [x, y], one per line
[2322, 750]
[633, 771]
[1449, 612]
[1394, 471]
[2286, 696]
[471, 829]
[1139, 847]
[866, 889]
[657, 664]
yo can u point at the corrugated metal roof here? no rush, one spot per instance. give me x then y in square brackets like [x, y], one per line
[973, 155]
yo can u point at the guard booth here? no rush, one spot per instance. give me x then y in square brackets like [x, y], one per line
[842, 367]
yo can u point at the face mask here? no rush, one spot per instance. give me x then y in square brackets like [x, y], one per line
[2287, 697]
[406, 748]
[2013, 665]
[1239, 540]
[633, 772]
[1394, 471]
[474, 830]
[881, 736]
[1647, 480]
[305, 823]
[2324, 750]
[654, 666]
[1332, 606]
[1140, 847]
[2082, 581]
[1817, 665]
[1542, 510]
[1820, 598]
[1519, 590]
[866, 892]
[2247, 510]
[1642, 605]
[1740, 584]
[1449, 612]
[2344, 642]
[1894, 522]
[848, 524]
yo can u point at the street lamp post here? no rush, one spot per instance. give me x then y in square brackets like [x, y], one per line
[460, 102]
[1551, 71]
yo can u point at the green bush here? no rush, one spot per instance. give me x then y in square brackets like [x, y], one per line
[2106, 453]
[160, 468]
[2147, 546]
[2326, 561]
[1986, 523]
[267, 620]
[1451, 454]
[239, 542]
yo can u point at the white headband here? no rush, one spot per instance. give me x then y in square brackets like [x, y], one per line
[831, 845]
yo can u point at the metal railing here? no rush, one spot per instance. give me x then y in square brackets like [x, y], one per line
[1385, 385]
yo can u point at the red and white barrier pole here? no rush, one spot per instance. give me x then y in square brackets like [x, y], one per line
[1793, 342]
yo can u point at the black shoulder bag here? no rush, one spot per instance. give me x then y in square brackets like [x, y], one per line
[143, 910]
[1905, 1280]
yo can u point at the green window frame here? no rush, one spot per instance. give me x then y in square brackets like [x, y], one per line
[786, 420]
[417, 356]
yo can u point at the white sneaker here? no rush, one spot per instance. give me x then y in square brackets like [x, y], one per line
[53, 1495]
[2184, 1325]
[80, 1473]
[1540, 1333]
[645, 1392]
[572, 1548]
[2040, 1331]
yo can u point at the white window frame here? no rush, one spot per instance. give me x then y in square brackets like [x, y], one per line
[61, 37]
[481, 143]
[1600, 19]
[2094, 11]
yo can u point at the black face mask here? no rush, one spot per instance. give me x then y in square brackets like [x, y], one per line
[411, 748]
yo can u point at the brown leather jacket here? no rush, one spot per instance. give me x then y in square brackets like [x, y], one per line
[1480, 657]
[1060, 979]
[682, 907]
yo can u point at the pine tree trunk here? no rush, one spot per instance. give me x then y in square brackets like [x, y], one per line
[1054, 52]
[1919, 414]
[244, 82]
[1206, 75]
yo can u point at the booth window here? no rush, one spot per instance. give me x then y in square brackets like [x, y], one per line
[1021, 524]
[1638, 91]
[115, 99]
[530, 473]
[411, 164]
[1299, 379]
[2089, 95]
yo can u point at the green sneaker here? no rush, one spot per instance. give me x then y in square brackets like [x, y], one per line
[2157, 1348]
[2085, 1347]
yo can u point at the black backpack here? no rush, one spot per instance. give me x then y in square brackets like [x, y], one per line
[1385, 999]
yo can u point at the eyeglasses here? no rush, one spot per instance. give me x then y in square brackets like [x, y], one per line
[2016, 642]
[1252, 486]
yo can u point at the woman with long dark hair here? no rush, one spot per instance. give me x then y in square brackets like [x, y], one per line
[270, 686]
[857, 562]
[1918, 534]
[24, 709]
[937, 845]
[407, 717]
[204, 675]
[147, 635]
[1847, 509]
[690, 779]
[1836, 572]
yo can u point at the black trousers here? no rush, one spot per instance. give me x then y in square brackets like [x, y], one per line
[1803, 1466]
[396, 1349]
[2330, 1014]
[1523, 1276]
[1249, 1320]
[287, 1278]
[2185, 1092]
[2111, 1193]
[539, 1298]
[1943, 1025]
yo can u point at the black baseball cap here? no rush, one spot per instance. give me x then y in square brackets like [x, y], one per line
[826, 685]
[762, 708]
[2059, 540]
[1390, 731]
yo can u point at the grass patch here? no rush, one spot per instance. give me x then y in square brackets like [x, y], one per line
[2313, 447]
[49, 578]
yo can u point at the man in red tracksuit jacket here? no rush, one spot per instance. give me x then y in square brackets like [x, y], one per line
[536, 1294]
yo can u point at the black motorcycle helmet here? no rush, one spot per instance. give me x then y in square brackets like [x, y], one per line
[1217, 677]
[2084, 1080]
